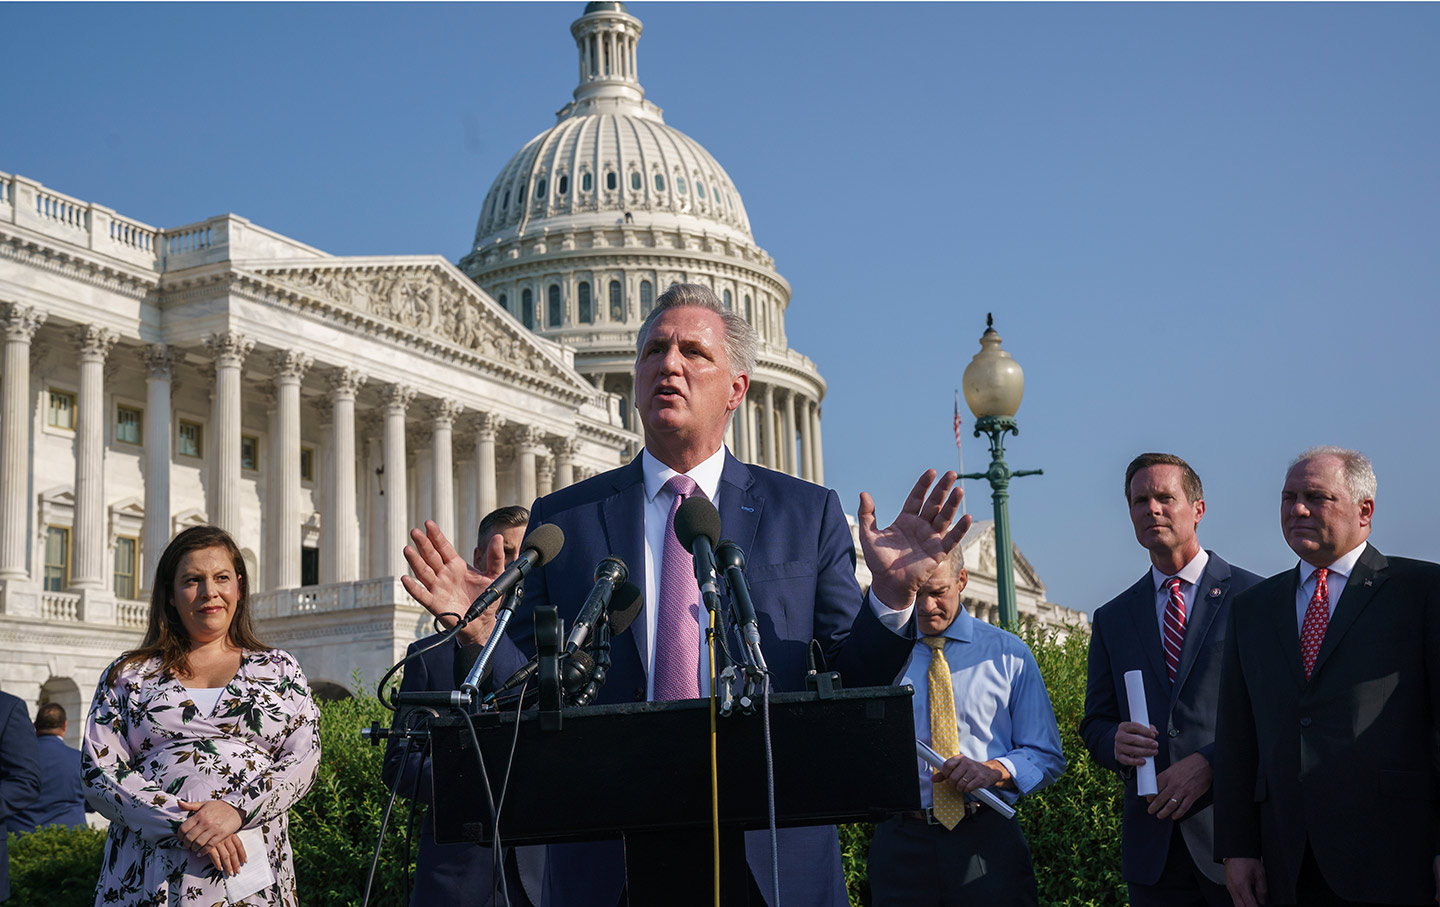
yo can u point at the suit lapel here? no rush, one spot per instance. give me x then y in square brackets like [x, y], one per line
[1282, 621]
[622, 517]
[739, 509]
[1141, 606]
[1364, 581]
[1210, 595]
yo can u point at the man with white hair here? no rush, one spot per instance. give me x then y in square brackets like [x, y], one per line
[1326, 756]
[980, 700]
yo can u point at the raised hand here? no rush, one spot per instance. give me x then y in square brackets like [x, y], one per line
[902, 556]
[445, 584]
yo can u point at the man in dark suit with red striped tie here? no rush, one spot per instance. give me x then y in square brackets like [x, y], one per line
[1170, 626]
[1326, 748]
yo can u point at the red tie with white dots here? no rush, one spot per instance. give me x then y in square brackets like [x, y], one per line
[1317, 618]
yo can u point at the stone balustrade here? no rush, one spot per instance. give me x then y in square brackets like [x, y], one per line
[384, 591]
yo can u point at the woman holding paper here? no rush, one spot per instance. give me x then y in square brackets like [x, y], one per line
[198, 742]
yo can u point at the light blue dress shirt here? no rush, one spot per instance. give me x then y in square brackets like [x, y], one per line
[1001, 705]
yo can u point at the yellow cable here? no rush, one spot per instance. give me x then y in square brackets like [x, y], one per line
[714, 768]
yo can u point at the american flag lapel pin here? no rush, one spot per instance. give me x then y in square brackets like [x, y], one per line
[1215, 592]
[1367, 582]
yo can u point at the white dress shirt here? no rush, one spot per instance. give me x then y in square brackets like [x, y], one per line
[1189, 579]
[657, 516]
[1334, 583]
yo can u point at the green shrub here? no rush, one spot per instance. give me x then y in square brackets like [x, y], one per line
[55, 866]
[1074, 824]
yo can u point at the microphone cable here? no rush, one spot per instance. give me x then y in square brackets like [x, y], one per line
[714, 766]
[505, 786]
[389, 804]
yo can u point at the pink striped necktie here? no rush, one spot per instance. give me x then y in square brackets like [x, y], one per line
[1174, 626]
[1317, 619]
[677, 623]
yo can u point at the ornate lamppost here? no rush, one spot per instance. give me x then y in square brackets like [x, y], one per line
[994, 384]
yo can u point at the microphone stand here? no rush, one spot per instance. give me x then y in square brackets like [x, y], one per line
[602, 666]
[502, 620]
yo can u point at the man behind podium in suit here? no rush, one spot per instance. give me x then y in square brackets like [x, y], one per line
[979, 696]
[692, 369]
[462, 873]
[62, 797]
[1170, 626]
[1325, 772]
[19, 771]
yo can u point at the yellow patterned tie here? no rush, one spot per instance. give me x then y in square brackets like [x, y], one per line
[944, 738]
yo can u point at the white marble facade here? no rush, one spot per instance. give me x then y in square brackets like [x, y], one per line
[313, 405]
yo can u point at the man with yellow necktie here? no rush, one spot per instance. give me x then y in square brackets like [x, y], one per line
[979, 699]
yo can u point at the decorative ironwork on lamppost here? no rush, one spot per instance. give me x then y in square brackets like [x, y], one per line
[994, 384]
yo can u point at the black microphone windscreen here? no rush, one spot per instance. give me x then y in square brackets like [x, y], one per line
[624, 607]
[697, 517]
[547, 539]
[728, 554]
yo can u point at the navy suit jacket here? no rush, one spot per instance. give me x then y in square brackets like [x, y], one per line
[1125, 636]
[62, 798]
[450, 873]
[1345, 761]
[19, 772]
[800, 561]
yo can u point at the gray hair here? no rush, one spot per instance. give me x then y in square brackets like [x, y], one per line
[740, 342]
[955, 560]
[1359, 473]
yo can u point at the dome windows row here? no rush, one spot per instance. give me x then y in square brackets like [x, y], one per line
[715, 195]
[585, 309]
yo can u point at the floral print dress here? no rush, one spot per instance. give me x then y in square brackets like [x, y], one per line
[148, 746]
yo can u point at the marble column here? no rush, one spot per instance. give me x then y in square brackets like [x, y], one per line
[159, 371]
[89, 539]
[565, 453]
[442, 427]
[373, 484]
[787, 439]
[544, 476]
[290, 369]
[19, 324]
[340, 551]
[395, 398]
[767, 421]
[469, 500]
[743, 431]
[526, 448]
[486, 428]
[807, 442]
[223, 500]
[819, 461]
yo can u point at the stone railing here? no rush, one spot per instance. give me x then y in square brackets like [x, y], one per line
[385, 591]
[59, 606]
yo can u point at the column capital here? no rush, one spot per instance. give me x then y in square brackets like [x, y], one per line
[345, 382]
[160, 360]
[488, 425]
[397, 397]
[93, 342]
[442, 412]
[20, 322]
[229, 348]
[290, 366]
[531, 438]
[566, 449]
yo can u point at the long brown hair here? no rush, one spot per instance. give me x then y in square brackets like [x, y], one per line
[165, 635]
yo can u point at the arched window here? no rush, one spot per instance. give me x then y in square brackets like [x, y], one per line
[647, 298]
[611, 181]
[699, 189]
[586, 184]
[680, 184]
[564, 185]
[727, 300]
[505, 203]
[527, 308]
[582, 295]
[617, 302]
[552, 311]
[747, 306]
[540, 187]
[504, 302]
[635, 181]
[624, 412]
[659, 182]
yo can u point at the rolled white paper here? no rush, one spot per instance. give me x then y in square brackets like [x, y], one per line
[1135, 692]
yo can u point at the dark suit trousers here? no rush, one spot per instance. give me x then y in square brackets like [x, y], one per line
[1311, 889]
[982, 860]
[1181, 883]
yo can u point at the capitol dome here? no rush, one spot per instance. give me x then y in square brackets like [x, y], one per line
[595, 217]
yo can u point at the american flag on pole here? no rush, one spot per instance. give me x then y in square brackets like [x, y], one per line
[959, 450]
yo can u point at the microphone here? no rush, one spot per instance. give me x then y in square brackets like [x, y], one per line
[609, 573]
[625, 605]
[731, 561]
[697, 526]
[539, 547]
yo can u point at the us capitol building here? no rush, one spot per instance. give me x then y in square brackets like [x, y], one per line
[318, 406]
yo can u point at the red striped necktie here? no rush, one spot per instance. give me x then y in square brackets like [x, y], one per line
[1174, 626]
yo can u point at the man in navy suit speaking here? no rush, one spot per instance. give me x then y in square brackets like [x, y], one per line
[692, 369]
[1170, 626]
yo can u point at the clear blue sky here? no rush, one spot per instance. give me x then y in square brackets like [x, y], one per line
[1208, 229]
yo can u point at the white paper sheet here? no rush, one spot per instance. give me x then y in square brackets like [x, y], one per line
[256, 874]
[1140, 714]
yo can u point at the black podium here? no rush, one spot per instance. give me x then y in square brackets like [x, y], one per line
[641, 772]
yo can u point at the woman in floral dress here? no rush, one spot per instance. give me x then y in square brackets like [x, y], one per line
[201, 732]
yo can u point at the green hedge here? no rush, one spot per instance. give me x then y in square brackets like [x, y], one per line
[1073, 825]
